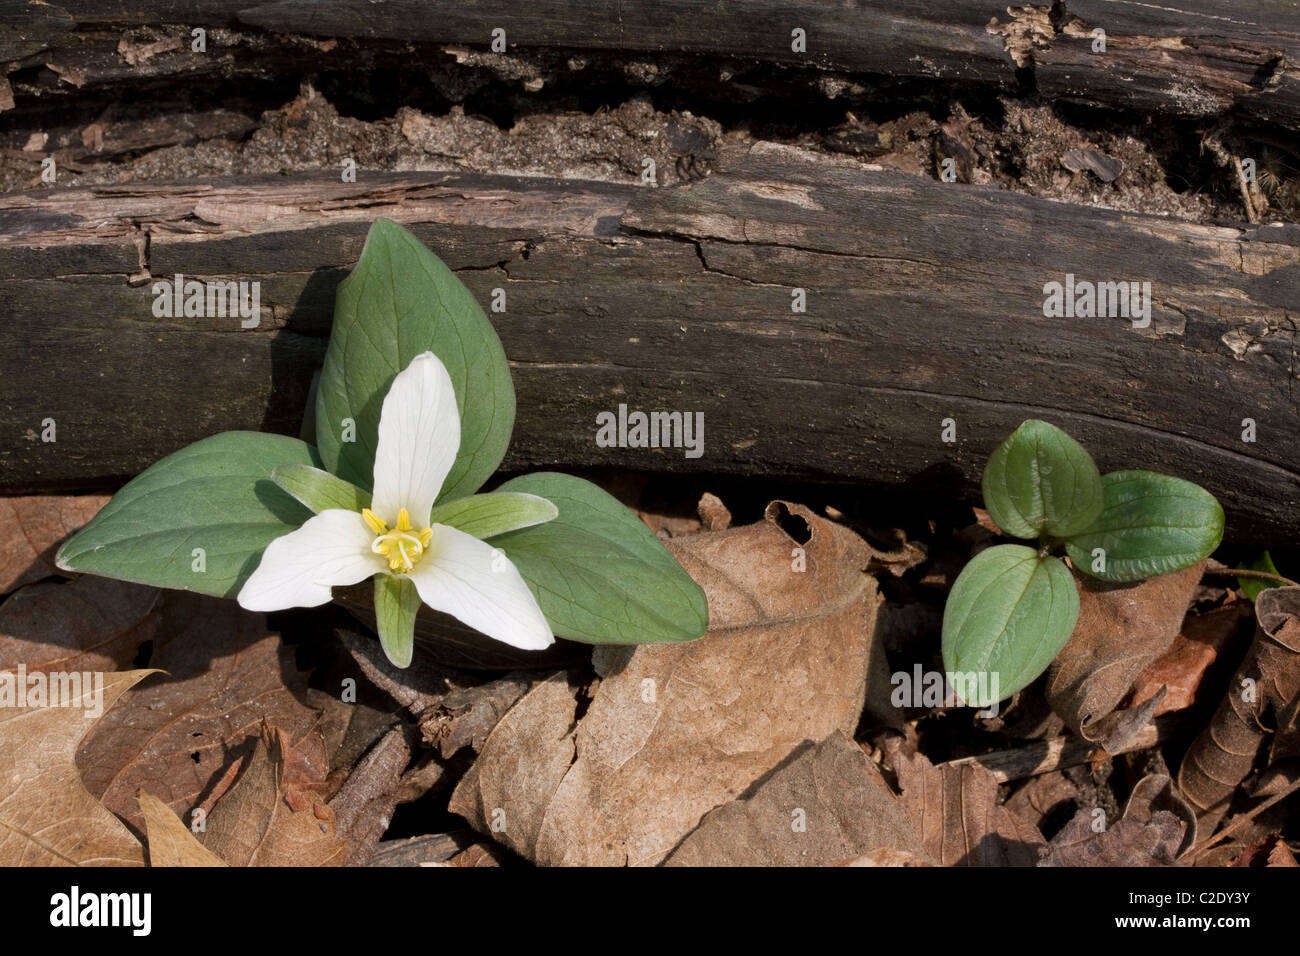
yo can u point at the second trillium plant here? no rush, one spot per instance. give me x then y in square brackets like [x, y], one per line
[1013, 607]
[413, 413]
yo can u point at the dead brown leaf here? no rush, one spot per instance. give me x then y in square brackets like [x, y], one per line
[1156, 792]
[177, 734]
[263, 822]
[47, 817]
[825, 804]
[1184, 667]
[466, 716]
[479, 855]
[31, 530]
[713, 513]
[1121, 629]
[169, 841]
[960, 821]
[1130, 842]
[1045, 799]
[675, 730]
[885, 856]
[1281, 855]
[91, 623]
[1260, 696]
[507, 791]
[1270, 851]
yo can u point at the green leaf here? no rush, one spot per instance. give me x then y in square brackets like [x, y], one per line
[396, 604]
[1152, 524]
[318, 489]
[1008, 614]
[307, 430]
[399, 302]
[1254, 587]
[216, 495]
[599, 574]
[1040, 481]
[485, 516]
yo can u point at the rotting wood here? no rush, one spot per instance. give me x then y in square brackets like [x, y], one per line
[1196, 58]
[924, 302]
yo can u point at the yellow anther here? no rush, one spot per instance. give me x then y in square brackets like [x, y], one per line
[403, 520]
[374, 521]
[426, 536]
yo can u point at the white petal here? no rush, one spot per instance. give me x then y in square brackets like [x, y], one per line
[299, 568]
[419, 435]
[479, 586]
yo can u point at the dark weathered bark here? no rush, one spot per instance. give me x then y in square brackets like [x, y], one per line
[1185, 57]
[924, 302]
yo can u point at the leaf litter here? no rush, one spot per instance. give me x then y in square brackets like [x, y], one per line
[773, 740]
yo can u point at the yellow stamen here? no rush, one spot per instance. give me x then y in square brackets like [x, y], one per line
[403, 546]
[375, 522]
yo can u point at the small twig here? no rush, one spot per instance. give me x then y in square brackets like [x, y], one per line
[1217, 567]
[1044, 756]
[1247, 200]
[1245, 818]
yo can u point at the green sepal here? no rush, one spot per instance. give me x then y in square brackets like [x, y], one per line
[319, 490]
[396, 604]
[487, 515]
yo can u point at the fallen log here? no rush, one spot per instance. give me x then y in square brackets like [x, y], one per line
[923, 302]
[1193, 58]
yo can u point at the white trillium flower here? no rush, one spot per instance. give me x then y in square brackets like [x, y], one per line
[453, 572]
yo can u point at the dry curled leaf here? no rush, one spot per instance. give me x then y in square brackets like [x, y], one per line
[261, 821]
[169, 840]
[31, 530]
[713, 513]
[825, 804]
[1261, 694]
[961, 823]
[47, 817]
[1130, 842]
[1121, 629]
[1156, 792]
[177, 734]
[675, 730]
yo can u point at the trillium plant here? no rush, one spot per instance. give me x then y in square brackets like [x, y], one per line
[413, 413]
[1014, 606]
